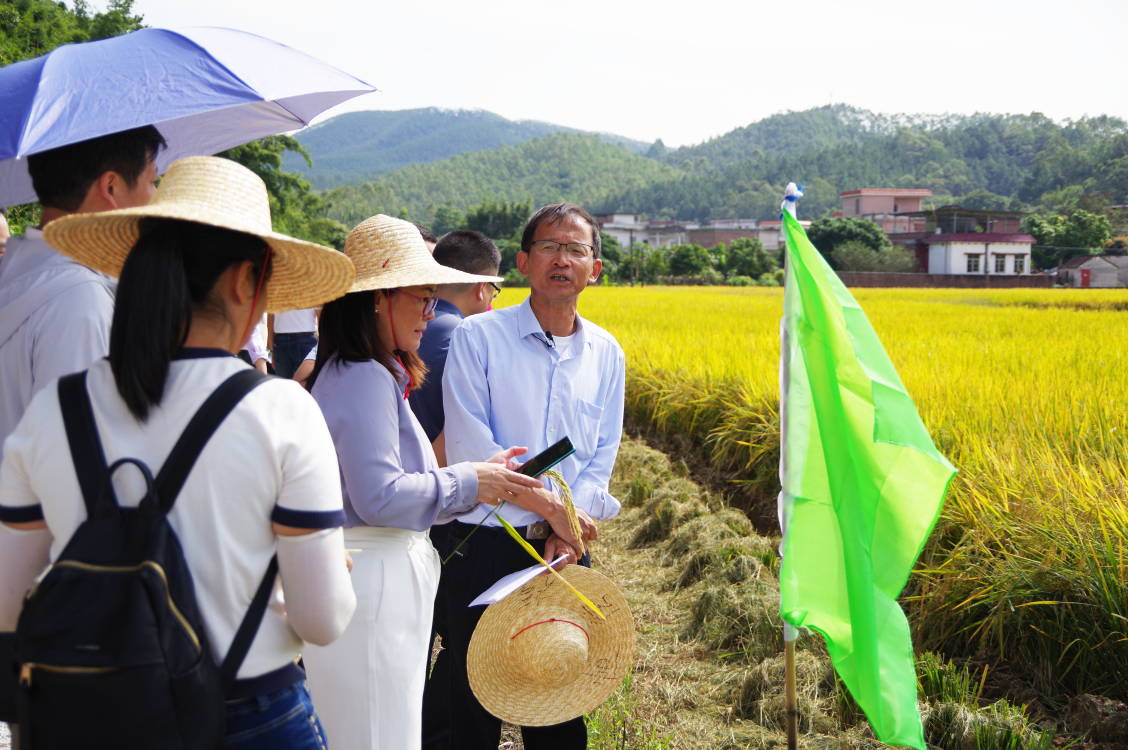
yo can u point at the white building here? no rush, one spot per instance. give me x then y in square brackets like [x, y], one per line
[632, 229]
[980, 254]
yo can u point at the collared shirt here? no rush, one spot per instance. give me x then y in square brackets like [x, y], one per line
[427, 400]
[55, 317]
[389, 474]
[507, 384]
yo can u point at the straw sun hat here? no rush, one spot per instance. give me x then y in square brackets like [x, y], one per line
[220, 193]
[540, 657]
[389, 253]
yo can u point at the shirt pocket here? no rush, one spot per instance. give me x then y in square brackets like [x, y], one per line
[588, 419]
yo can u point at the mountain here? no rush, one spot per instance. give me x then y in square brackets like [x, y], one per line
[358, 146]
[564, 166]
[982, 160]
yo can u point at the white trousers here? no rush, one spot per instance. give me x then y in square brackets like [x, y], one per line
[367, 686]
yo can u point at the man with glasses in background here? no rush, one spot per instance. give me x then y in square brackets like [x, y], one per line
[471, 252]
[525, 375]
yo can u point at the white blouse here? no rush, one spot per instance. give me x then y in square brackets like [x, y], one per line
[270, 460]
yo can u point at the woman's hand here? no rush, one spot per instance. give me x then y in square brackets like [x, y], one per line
[496, 482]
[505, 457]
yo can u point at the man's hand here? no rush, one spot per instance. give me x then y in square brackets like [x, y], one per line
[587, 526]
[554, 546]
[548, 506]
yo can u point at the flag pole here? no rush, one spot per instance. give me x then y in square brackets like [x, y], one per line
[790, 633]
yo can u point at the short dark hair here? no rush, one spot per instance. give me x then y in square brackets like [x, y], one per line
[62, 176]
[553, 213]
[428, 235]
[469, 251]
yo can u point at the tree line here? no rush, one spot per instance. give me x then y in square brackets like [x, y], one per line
[1072, 176]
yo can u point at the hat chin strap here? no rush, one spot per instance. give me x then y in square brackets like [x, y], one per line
[254, 300]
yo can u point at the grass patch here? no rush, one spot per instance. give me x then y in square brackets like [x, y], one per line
[618, 724]
[710, 667]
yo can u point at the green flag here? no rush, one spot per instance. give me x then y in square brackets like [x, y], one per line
[862, 488]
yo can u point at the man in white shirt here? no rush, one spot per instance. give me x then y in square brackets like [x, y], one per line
[55, 314]
[526, 375]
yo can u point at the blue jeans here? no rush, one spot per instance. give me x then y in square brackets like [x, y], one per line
[289, 351]
[284, 720]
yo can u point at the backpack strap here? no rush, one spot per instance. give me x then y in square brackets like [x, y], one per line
[171, 478]
[85, 445]
[200, 428]
[248, 628]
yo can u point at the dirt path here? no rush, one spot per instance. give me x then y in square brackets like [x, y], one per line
[701, 584]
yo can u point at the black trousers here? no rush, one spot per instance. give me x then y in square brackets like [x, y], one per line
[452, 717]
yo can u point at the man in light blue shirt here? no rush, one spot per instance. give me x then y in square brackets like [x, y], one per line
[526, 375]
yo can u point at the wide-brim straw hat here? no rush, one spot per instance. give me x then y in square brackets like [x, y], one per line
[390, 253]
[540, 657]
[220, 193]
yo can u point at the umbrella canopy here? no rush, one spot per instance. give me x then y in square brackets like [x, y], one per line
[206, 89]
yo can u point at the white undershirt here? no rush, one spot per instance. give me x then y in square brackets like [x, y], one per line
[563, 344]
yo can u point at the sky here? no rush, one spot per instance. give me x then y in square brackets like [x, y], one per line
[687, 72]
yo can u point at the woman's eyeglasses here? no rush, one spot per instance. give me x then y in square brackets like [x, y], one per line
[429, 303]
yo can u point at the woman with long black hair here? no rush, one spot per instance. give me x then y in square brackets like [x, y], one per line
[368, 685]
[198, 267]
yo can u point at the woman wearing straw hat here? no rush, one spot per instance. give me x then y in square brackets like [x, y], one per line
[197, 267]
[368, 685]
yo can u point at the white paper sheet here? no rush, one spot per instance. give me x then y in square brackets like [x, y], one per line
[510, 583]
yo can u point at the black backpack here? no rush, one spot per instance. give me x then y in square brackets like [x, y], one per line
[110, 645]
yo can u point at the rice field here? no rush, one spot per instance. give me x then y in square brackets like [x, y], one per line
[1026, 391]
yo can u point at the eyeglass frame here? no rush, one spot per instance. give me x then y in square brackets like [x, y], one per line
[496, 288]
[429, 303]
[543, 250]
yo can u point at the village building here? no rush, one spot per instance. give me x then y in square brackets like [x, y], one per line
[886, 207]
[633, 229]
[1094, 271]
[949, 240]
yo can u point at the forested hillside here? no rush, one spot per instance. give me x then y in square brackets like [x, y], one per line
[358, 146]
[580, 168]
[1020, 160]
[981, 161]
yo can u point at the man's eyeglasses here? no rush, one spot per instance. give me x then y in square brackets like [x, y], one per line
[496, 288]
[429, 303]
[575, 250]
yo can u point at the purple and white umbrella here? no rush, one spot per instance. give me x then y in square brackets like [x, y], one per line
[206, 89]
